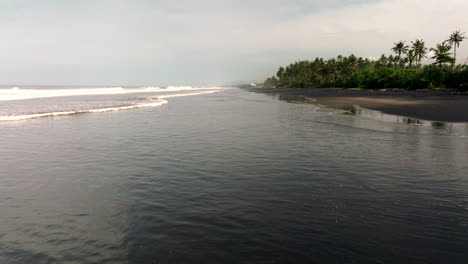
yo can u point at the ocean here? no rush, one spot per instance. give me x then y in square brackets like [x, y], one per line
[223, 175]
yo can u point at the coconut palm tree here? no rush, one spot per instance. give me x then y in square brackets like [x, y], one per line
[442, 54]
[419, 49]
[455, 38]
[400, 48]
[410, 57]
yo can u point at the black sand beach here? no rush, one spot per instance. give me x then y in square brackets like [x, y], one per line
[436, 105]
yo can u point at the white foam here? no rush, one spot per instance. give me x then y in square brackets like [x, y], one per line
[158, 101]
[186, 94]
[16, 93]
[97, 110]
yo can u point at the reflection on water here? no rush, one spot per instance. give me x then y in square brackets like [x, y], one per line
[409, 120]
[373, 114]
[349, 109]
[294, 98]
[356, 110]
[439, 124]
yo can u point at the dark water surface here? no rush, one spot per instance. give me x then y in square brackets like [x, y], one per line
[233, 177]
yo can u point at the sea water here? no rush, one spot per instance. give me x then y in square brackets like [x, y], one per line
[222, 175]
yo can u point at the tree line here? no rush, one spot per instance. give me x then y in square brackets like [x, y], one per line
[402, 70]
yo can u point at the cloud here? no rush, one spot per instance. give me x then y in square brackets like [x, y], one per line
[162, 42]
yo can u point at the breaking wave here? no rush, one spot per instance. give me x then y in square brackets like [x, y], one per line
[153, 102]
[17, 93]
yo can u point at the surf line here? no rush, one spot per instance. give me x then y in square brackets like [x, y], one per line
[23, 94]
[159, 100]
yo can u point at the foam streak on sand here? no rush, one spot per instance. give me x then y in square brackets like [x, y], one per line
[156, 101]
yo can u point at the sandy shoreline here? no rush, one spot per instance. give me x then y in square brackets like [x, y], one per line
[441, 105]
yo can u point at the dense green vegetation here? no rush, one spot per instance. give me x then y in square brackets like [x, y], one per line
[404, 70]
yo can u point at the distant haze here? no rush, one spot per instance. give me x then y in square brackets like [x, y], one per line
[204, 42]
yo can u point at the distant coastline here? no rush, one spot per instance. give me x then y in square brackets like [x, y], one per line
[396, 84]
[405, 70]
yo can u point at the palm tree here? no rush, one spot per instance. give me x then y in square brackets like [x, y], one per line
[455, 38]
[442, 54]
[419, 49]
[411, 57]
[400, 48]
[280, 73]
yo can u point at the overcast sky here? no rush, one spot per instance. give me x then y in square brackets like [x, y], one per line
[198, 42]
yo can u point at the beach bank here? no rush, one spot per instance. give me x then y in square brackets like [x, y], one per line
[435, 105]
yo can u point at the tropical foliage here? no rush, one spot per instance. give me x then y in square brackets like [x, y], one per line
[404, 70]
[455, 38]
[400, 48]
[442, 54]
[419, 49]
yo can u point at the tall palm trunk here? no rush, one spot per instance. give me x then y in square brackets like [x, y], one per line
[455, 54]
[399, 59]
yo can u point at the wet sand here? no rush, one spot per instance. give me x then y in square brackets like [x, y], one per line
[440, 105]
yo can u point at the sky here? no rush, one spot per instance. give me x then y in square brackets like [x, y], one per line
[204, 42]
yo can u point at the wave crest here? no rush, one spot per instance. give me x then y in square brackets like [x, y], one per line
[96, 110]
[154, 101]
[16, 93]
